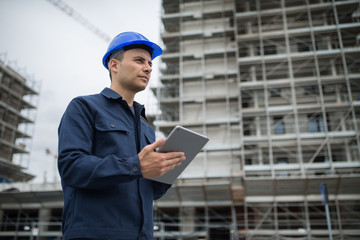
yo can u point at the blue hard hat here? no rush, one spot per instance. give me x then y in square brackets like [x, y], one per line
[127, 39]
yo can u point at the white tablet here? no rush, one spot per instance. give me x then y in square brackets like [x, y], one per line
[181, 140]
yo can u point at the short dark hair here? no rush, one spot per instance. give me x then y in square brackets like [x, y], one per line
[142, 46]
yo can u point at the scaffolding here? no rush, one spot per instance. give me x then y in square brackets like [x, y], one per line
[18, 101]
[275, 85]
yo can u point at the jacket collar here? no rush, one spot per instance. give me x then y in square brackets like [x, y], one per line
[111, 94]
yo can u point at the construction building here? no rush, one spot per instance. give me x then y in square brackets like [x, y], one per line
[17, 109]
[275, 85]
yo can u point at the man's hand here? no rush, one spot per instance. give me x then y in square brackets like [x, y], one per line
[155, 164]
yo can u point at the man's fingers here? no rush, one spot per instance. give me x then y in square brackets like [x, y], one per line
[156, 144]
[172, 155]
[175, 160]
[155, 164]
[172, 165]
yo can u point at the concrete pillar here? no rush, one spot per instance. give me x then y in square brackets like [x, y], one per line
[251, 50]
[347, 152]
[253, 70]
[258, 126]
[328, 42]
[249, 28]
[256, 99]
[260, 156]
[1, 215]
[44, 219]
[338, 94]
[188, 220]
[333, 67]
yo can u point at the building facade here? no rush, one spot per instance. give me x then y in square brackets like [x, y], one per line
[18, 102]
[17, 107]
[275, 85]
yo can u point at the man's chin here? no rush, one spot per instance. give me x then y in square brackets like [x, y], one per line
[140, 88]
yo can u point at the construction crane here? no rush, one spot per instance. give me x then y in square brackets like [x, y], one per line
[68, 10]
[65, 8]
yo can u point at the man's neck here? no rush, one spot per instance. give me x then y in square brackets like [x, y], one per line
[126, 95]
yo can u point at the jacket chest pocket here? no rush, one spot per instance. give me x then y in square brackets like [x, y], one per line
[113, 137]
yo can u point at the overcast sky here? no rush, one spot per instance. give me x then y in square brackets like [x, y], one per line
[65, 57]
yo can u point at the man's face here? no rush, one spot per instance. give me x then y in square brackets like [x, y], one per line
[134, 70]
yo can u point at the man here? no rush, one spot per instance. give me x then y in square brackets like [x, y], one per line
[107, 151]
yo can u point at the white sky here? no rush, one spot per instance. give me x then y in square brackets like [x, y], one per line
[65, 57]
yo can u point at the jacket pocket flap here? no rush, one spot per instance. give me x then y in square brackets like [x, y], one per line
[109, 125]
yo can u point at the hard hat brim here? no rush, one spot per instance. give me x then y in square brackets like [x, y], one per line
[156, 50]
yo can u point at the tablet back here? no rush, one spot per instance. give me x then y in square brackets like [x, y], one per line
[181, 140]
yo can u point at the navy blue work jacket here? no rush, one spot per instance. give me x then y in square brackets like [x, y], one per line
[105, 194]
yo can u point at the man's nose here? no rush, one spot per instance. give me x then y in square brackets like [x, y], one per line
[147, 69]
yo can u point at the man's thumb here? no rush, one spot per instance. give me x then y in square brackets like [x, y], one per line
[158, 143]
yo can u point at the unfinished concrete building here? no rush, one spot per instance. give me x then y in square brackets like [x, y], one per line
[275, 85]
[17, 108]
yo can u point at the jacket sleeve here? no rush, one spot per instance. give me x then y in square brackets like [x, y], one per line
[77, 166]
[160, 189]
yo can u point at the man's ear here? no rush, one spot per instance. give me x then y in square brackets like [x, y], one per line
[113, 65]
